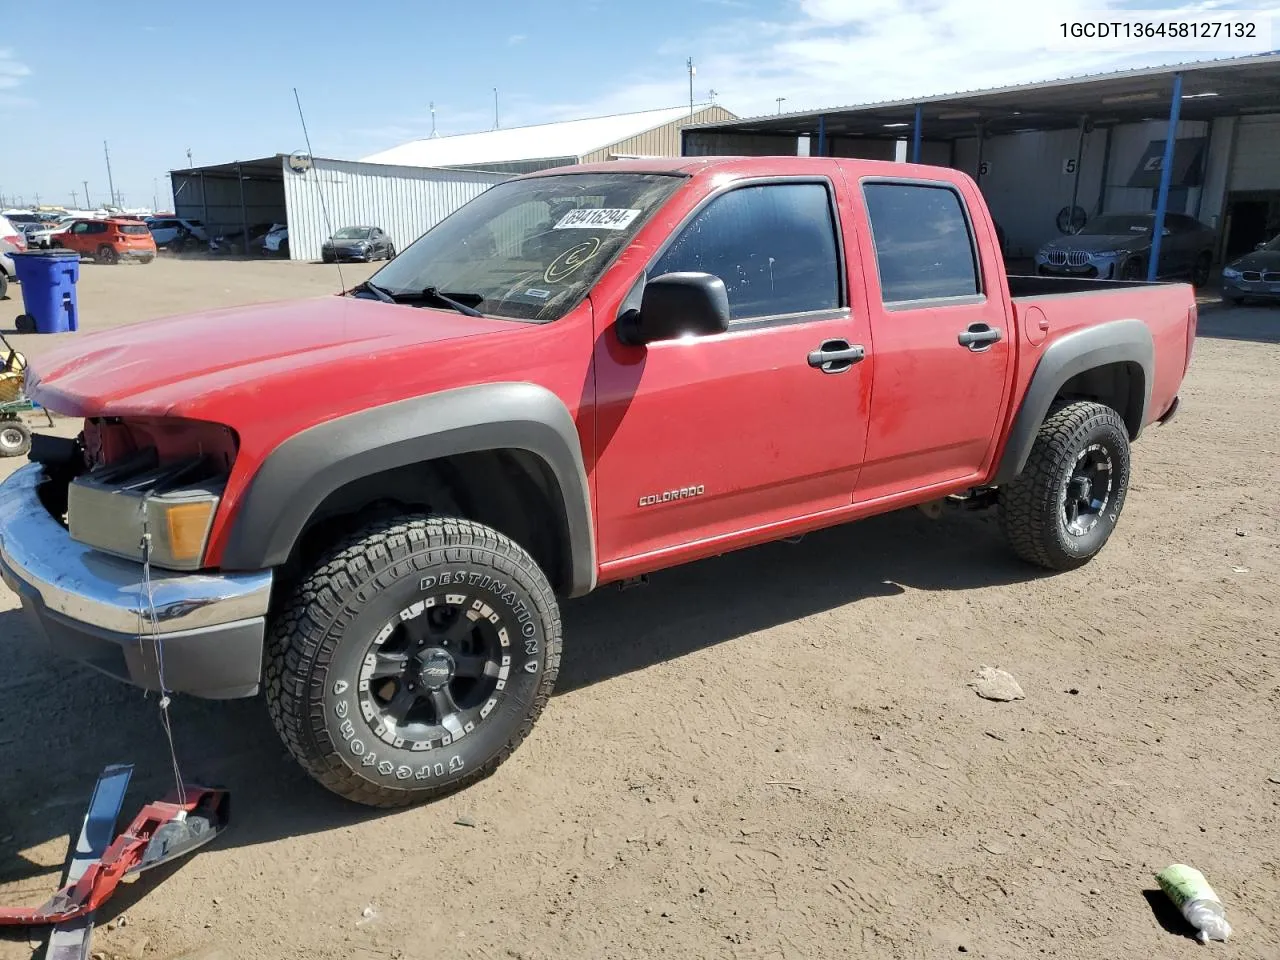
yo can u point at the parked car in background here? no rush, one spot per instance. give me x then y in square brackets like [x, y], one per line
[1255, 276]
[277, 240]
[1117, 246]
[11, 235]
[358, 243]
[7, 273]
[164, 230]
[43, 237]
[110, 240]
[233, 241]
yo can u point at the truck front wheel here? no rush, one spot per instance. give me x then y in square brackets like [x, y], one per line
[1060, 511]
[413, 659]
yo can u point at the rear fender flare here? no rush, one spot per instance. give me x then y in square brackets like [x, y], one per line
[299, 474]
[1116, 341]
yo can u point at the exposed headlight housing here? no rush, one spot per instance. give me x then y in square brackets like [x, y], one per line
[1108, 254]
[1231, 273]
[115, 516]
[155, 479]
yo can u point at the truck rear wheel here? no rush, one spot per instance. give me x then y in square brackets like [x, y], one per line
[413, 659]
[1060, 511]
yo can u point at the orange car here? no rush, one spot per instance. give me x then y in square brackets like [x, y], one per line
[108, 241]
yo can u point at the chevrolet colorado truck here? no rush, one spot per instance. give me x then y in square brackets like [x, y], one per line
[368, 505]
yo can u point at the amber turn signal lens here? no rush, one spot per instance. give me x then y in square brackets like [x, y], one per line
[188, 524]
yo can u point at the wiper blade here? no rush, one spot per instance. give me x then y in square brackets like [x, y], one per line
[435, 296]
[376, 290]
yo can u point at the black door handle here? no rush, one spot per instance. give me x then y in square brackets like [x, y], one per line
[836, 356]
[979, 337]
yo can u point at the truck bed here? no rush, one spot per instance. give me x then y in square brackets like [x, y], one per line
[1061, 305]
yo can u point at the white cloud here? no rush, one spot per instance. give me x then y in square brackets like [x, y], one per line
[516, 38]
[835, 52]
[12, 72]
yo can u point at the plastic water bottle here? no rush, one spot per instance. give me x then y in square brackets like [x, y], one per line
[1191, 893]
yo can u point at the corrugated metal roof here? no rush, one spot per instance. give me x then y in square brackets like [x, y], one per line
[571, 138]
[1256, 60]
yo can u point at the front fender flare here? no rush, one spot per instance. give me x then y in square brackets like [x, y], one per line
[299, 474]
[1116, 341]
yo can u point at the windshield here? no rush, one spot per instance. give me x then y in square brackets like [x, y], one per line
[1119, 224]
[1274, 244]
[352, 233]
[529, 249]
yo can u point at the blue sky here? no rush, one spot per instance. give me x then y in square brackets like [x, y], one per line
[157, 78]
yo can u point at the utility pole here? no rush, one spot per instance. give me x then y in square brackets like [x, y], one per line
[189, 163]
[75, 202]
[779, 100]
[692, 72]
[495, 108]
[37, 199]
[433, 118]
[88, 204]
[111, 187]
[713, 95]
[155, 195]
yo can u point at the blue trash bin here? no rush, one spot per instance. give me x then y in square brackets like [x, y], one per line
[48, 279]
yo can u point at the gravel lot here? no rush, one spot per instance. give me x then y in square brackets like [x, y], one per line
[770, 754]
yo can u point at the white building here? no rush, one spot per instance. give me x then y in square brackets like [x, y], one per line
[408, 189]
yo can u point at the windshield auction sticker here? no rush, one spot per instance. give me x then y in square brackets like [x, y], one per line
[596, 218]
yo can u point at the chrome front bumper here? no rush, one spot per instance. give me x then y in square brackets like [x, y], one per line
[95, 608]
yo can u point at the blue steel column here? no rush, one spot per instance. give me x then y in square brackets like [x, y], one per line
[1166, 178]
[822, 136]
[915, 136]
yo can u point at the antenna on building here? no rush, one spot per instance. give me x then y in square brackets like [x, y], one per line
[433, 119]
[692, 73]
[495, 108]
[779, 100]
[712, 94]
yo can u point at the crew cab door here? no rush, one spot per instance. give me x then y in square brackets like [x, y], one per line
[706, 436]
[942, 335]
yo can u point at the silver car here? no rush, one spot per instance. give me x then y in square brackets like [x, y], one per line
[7, 274]
[1117, 246]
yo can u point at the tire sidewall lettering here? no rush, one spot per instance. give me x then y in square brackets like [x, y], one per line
[357, 740]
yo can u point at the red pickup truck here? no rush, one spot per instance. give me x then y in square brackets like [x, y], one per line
[369, 504]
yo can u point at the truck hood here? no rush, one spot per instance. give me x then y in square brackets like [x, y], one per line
[161, 364]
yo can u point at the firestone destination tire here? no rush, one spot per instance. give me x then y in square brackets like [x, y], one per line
[412, 659]
[1060, 511]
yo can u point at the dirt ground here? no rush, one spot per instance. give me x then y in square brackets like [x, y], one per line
[769, 754]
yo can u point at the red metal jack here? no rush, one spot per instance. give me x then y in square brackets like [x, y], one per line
[161, 832]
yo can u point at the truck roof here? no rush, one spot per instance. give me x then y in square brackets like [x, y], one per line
[754, 167]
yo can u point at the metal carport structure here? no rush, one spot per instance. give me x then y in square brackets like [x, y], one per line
[1206, 91]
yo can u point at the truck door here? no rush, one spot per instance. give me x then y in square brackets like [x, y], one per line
[941, 336]
[708, 436]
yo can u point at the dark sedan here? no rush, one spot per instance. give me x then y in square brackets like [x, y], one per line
[1117, 246]
[358, 243]
[1255, 276]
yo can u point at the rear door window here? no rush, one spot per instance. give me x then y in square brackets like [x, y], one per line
[924, 245]
[773, 245]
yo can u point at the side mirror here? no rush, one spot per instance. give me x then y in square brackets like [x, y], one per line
[674, 305]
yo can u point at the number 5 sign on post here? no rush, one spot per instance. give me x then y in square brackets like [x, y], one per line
[1069, 165]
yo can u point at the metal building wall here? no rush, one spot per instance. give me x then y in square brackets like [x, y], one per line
[404, 201]
[1257, 160]
[663, 141]
[1128, 145]
[709, 143]
[1027, 182]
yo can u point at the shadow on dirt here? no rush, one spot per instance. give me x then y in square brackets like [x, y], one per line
[1252, 323]
[63, 723]
[1167, 915]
